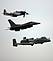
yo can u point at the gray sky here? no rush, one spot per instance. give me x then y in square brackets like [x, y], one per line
[40, 11]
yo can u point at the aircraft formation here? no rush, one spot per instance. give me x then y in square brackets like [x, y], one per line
[18, 27]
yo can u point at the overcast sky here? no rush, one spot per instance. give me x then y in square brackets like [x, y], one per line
[39, 11]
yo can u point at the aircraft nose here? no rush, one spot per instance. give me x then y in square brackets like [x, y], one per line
[27, 13]
[49, 40]
[36, 23]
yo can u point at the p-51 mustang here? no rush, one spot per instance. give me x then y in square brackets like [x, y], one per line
[17, 27]
[16, 13]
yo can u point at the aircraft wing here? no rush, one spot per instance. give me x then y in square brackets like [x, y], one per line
[16, 12]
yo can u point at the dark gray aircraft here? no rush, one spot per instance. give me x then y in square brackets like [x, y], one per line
[41, 40]
[22, 43]
[17, 27]
[31, 41]
[16, 13]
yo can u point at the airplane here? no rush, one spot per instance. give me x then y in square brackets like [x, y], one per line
[16, 13]
[41, 40]
[22, 43]
[17, 27]
[31, 41]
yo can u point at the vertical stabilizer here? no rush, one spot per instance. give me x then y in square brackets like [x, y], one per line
[4, 11]
[14, 43]
[12, 24]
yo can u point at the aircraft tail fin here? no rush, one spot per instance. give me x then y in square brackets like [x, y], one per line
[12, 24]
[14, 43]
[4, 11]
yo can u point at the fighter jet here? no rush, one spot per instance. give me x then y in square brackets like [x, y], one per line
[16, 13]
[31, 41]
[17, 27]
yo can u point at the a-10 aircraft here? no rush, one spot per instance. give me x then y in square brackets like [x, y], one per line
[31, 41]
[17, 27]
[16, 13]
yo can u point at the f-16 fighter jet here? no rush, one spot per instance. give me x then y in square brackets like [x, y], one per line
[31, 41]
[16, 13]
[17, 27]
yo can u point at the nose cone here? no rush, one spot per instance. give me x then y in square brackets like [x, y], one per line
[36, 23]
[49, 40]
[27, 13]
